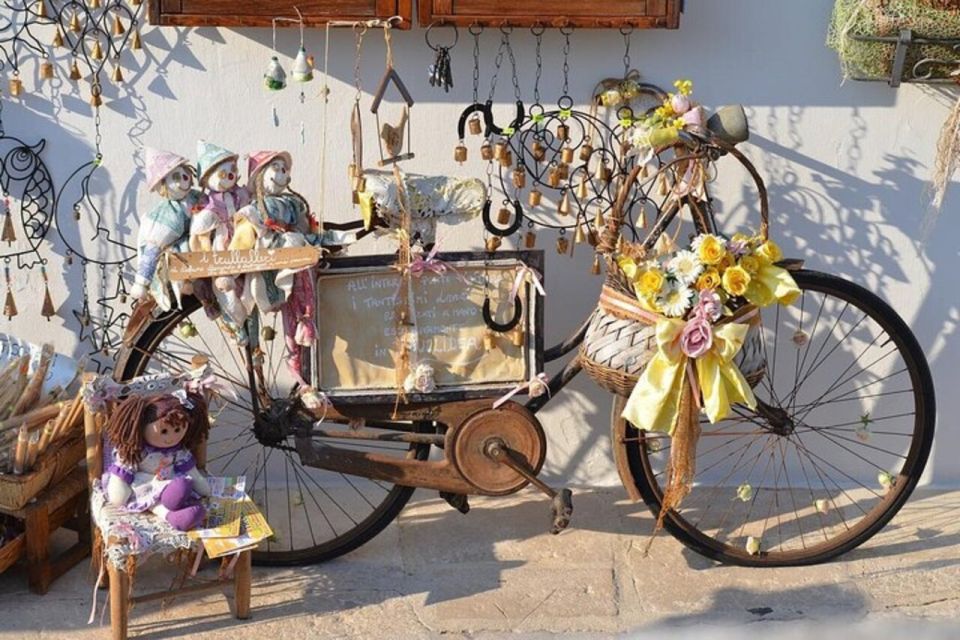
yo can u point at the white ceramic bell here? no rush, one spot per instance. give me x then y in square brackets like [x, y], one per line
[302, 67]
[275, 78]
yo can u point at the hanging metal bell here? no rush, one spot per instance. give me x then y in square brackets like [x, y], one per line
[46, 70]
[564, 207]
[75, 71]
[136, 3]
[48, 310]
[302, 70]
[604, 174]
[563, 132]
[599, 222]
[519, 178]
[9, 235]
[95, 101]
[96, 51]
[566, 155]
[75, 25]
[580, 236]
[10, 306]
[595, 269]
[583, 189]
[41, 8]
[460, 153]
[586, 150]
[534, 198]
[499, 150]
[493, 243]
[117, 75]
[503, 216]
[530, 239]
[275, 77]
[506, 160]
[58, 39]
[563, 171]
[16, 87]
[489, 340]
[136, 43]
[486, 150]
[517, 337]
[475, 126]
[663, 188]
[118, 28]
[538, 151]
[563, 245]
[553, 177]
[95, 4]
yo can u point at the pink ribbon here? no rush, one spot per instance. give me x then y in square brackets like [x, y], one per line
[525, 273]
[431, 264]
[539, 379]
[209, 383]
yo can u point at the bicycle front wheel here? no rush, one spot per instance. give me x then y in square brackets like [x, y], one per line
[839, 439]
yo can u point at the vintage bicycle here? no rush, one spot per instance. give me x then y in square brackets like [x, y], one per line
[836, 445]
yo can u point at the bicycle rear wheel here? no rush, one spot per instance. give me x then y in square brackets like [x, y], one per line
[316, 515]
[837, 444]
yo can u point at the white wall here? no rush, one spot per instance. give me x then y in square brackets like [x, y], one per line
[846, 165]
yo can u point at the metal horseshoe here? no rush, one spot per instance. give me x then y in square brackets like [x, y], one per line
[492, 128]
[476, 107]
[507, 231]
[510, 324]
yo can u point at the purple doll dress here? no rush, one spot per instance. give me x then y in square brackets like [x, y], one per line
[148, 479]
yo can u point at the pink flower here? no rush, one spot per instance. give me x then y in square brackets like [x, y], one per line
[697, 336]
[694, 117]
[680, 103]
[709, 305]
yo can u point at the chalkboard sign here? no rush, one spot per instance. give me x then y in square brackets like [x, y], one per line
[356, 303]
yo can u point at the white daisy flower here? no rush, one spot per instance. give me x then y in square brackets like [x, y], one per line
[686, 267]
[676, 300]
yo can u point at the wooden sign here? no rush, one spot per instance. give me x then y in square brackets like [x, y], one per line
[192, 265]
[356, 302]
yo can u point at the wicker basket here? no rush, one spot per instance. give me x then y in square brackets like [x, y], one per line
[617, 347]
[53, 466]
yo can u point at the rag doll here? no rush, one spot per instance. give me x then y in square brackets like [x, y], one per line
[152, 467]
[212, 227]
[166, 227]
[279, 217]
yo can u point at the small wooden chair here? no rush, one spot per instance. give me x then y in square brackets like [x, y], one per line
[121, 540]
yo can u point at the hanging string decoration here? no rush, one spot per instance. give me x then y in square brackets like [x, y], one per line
[26, 200]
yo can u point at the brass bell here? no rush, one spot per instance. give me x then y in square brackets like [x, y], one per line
[563, 245]
[75, 71]
[75, 22]
[662, 187]
[489, 340]
[518, 337]
[486, 150]
[595, 269]
[118, 28]
[10, 306]
[41, 8]
[580, 235]
[530, 239]
[564, 207]
[592, 238]
[493, 243]
[9, 235]
[475, 126]
[566, 155]
[563, 170]
[499, 150]
[538, 151]
[519, 178]
[136, 43]
[58, 39]
[503, 216]
[95, 99]
[604, 174]
[553, 177]
[586, 150]
[460, 153]
[95, 4]
[46, 70]
[16, 87]
[599, 222]
[136, 3]
[506, 159]
[583, 189]
[644, 172]
[96, 52]
[534, 198]
[117, 75]
[563, 132]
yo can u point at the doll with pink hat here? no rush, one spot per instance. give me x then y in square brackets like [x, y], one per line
[167, 226]
[212, 227]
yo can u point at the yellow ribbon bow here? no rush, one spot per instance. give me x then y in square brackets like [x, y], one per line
[654, 404]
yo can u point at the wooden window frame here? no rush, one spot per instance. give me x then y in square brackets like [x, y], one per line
[605, 14]
[171, 13]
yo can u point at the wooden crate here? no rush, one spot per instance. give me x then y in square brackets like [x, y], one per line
[55, 464]
[640, 14]
[260, 13]
[12, 551]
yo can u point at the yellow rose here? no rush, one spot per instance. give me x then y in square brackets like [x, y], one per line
[736, 280]
[711, 250]
[726, 262]
[769, 252]
[750, 264]
[709, 279]
[651, 281]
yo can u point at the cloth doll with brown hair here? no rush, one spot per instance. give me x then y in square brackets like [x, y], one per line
[151, 467]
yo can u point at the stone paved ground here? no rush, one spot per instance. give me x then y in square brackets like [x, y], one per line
[496, 573]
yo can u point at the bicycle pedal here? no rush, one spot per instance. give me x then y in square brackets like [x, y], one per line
[456, 500]
[562, 508]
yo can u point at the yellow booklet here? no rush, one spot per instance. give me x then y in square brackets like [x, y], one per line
[253, 530]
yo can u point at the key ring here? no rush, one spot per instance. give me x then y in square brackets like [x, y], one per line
[456, 35]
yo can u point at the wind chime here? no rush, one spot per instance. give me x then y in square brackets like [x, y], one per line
[275, 77]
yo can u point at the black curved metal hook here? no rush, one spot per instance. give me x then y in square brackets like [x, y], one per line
[506, 231]
[510, 324]
[515, 124]
[469, 111]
